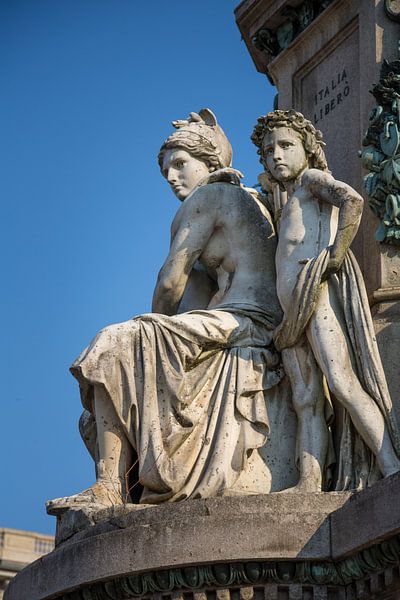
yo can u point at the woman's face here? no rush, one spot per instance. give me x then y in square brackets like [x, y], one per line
[182, 171]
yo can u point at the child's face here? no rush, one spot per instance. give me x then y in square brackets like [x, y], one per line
[284, 154]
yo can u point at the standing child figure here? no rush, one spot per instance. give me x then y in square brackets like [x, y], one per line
[327, 328]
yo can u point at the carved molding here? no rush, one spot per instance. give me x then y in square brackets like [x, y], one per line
[389, 294]
[247, 575]
[273, 41]
[381, 154]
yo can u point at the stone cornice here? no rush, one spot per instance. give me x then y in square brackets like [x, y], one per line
[273, 41]
[269, 27]
[319, 539]
[229, 575]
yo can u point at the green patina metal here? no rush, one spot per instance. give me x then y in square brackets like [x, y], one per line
[392, 9]
[225, 575]
[273, 41]
[381, 156]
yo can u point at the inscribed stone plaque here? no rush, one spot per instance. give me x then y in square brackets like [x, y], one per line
[326, 91]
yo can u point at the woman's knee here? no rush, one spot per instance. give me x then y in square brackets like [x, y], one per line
[119, 332]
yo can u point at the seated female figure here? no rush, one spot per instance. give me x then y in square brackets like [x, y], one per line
[187, 392]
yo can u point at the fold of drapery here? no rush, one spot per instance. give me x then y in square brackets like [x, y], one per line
[356, 464]
[191, 392]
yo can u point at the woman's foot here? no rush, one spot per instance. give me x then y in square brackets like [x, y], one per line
[103, 493]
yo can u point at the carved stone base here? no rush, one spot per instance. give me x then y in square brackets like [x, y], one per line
[329, 546]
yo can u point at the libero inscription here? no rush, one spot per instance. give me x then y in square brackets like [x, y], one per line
[331, 96]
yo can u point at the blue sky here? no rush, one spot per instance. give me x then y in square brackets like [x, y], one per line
[89, 88]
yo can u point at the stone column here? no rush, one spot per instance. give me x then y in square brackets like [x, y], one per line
[324, 57]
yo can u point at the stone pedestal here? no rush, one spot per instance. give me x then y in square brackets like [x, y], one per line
[323, 58]
[327, 546]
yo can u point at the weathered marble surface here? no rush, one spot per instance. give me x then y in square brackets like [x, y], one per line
[178, 402]
[294, 546]
[326, 73]
[196, 532]
[327, 328]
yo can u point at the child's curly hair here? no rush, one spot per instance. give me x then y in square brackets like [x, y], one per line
[312, 137]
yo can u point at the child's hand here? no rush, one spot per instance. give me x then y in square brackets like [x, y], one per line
[334, 264]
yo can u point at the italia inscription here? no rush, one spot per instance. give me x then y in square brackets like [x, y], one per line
[329, 97]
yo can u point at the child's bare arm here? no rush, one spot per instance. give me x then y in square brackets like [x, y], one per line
[324, 187]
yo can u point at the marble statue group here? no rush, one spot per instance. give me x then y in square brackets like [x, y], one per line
[260, 337]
